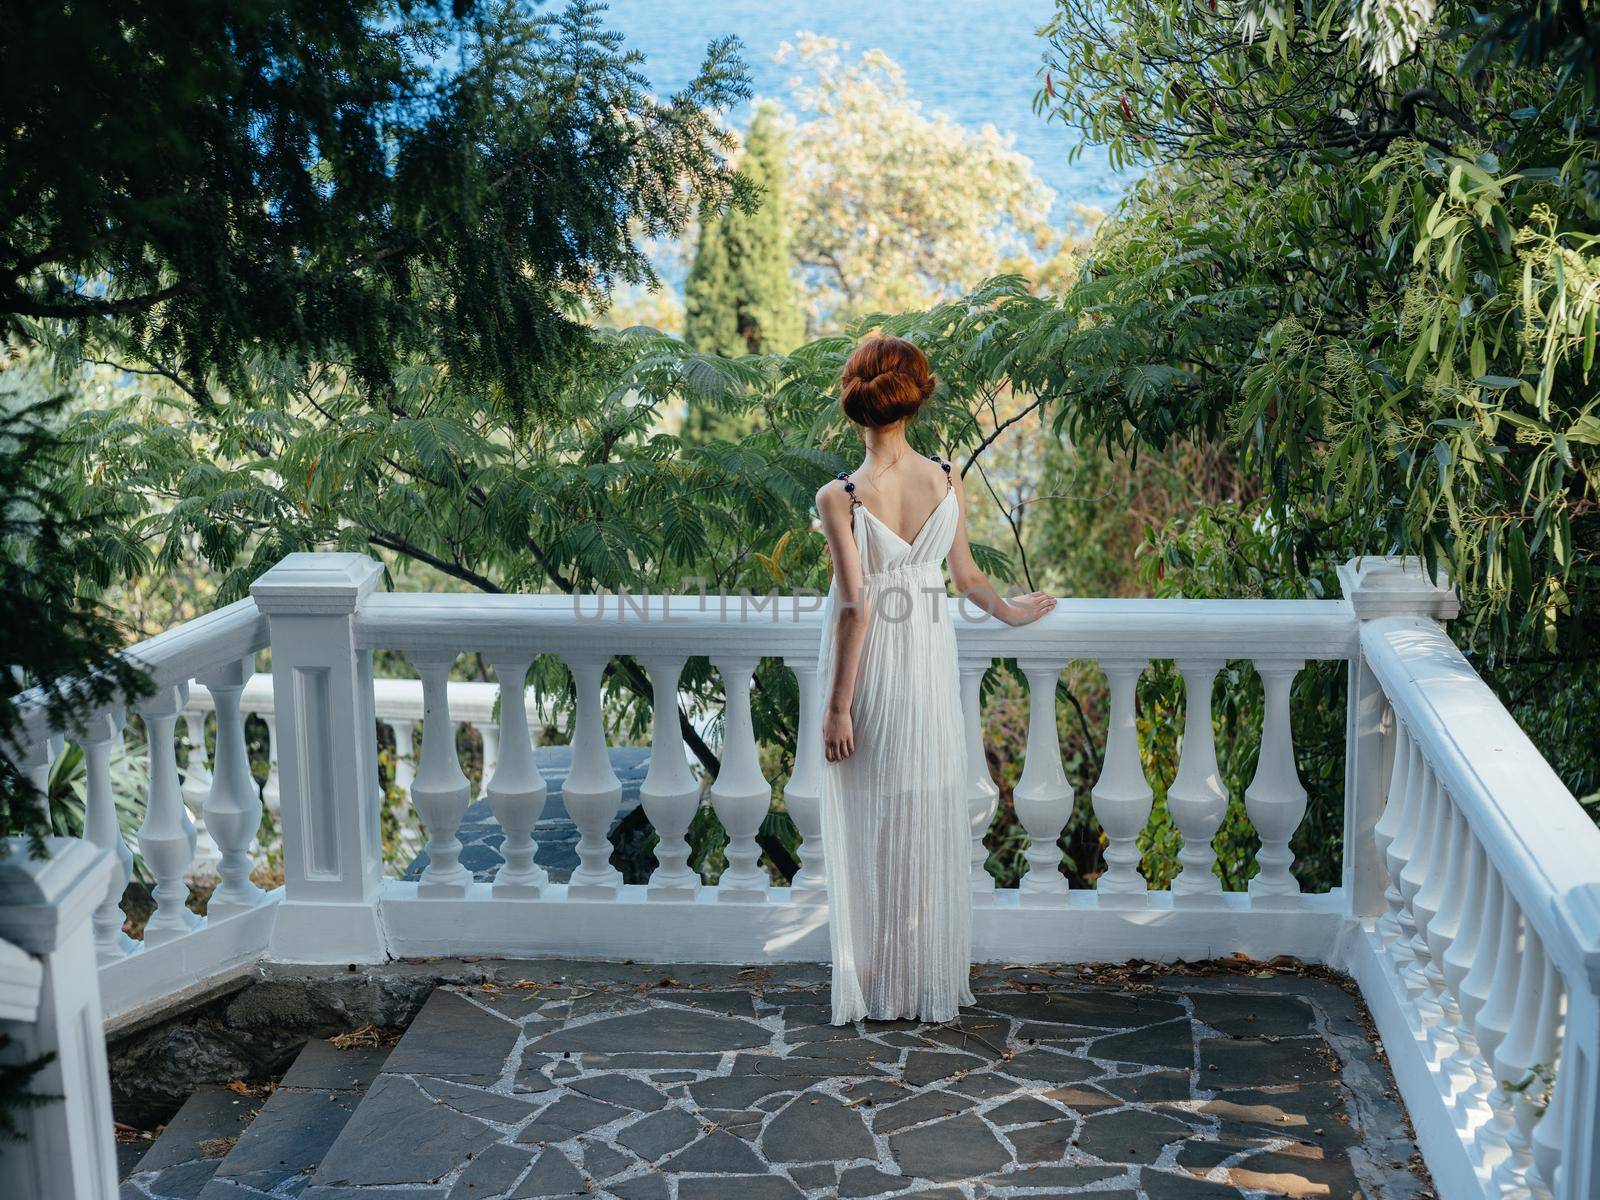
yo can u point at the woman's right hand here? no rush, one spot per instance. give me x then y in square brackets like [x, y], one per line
[1026, 609]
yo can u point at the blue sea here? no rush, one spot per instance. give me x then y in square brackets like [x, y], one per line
[976, 60]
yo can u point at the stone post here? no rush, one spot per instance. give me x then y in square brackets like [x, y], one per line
[327, 754]
[50, 1004]
[1377, 587]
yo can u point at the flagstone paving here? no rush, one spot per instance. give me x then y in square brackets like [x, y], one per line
[705, 1083]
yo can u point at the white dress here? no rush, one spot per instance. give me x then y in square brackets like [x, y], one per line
[895, 829]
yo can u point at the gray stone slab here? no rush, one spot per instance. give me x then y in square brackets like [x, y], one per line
[1100, 1009]
[656, 1030]
[1130, 1136]
[738, 1187]
[1153, 1087]
[287, 1139]
[813, 1176]
[738, 1091]
[603, 1161]
[927, 1066]
[210, 1117]
[567, 1116]
[1056, 1177]
[1047, 1143]
[959, 1147]
[1178, 1185]
[816, 1129]
[477, 1102]
[642, 1187]
[1253, 1014]
[1024, 1110]
[552, 1175]
[718, 1153]
[1170, 1044]
[620, 1089]
[659, 1134]
[1050, 1066]
[869, 1181]
[492, 1172]
[325, 1067]
[1243, 1062]
[917, 1109]
[400, 1135]
[454, 1038]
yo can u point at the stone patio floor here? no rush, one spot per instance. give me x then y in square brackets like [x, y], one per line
[719, 1083]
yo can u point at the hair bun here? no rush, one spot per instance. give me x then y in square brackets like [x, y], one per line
[886, 380]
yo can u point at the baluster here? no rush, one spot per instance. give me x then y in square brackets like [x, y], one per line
[405, 768]
[740, 795]
[1427, 871]
[489, 738]
[1197, 800]
[1444, 903]
[670, 793]
[440, 792]
[269, 791]
[592, 790]
[166, 839]
[1494, 1021]
[1043, 797]
[1412, 876]
[516, 790]
[1549, 1135]
[196, 772]
[232, 806]
[1400, 854]
[1275, 799]
[1529, 1044]
[35, 764]
[983, 797]
[1121, 795]
[100, 826]
[1472, 940]
[802, 795]
[1387, 830]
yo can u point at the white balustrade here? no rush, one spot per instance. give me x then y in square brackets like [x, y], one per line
[1197, 798]
[802, 795]
[1122, 797]
[740, 794]
[1043, 797]
[983, 797]
[592, 791]
[1469, 911]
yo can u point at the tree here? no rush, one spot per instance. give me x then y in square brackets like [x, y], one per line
[189, 185]
[740, 296]
[895, 210]
[1367, 266]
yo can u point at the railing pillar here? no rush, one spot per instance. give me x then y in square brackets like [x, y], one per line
[326, 734]
[802, 795]
[983, 797]
[1376, 586]
[69, 1151]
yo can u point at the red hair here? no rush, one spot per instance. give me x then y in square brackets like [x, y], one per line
[885, 381]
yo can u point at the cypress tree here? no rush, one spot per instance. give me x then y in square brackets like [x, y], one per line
[740, 296]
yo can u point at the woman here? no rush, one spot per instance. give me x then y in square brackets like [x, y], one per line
[894, 806]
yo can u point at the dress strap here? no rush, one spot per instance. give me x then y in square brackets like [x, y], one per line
[949, 481]
[844, 477]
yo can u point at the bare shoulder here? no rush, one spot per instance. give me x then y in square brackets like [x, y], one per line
[832, 499]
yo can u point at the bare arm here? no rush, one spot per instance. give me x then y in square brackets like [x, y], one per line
[850, 616]
[974, 585]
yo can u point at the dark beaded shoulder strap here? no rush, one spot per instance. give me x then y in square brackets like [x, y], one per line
[844, 477]
[949, 480]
